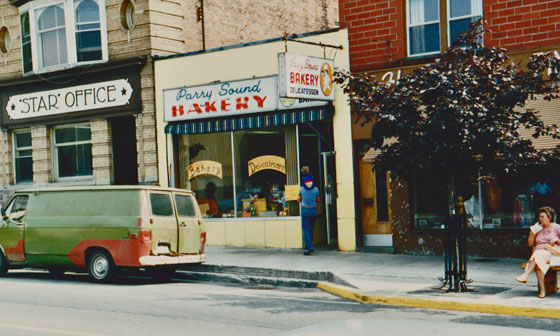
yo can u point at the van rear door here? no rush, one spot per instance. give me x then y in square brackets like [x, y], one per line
[190, 224]
[163, 223]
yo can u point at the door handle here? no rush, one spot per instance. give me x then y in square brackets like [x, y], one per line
[367, 201]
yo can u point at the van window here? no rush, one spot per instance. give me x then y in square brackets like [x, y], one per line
[185, 206]
[161, 205]
[16, 209]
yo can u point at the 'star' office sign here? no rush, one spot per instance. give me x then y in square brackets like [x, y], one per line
[305, 77]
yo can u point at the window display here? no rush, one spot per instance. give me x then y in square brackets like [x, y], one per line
[206, 168]
[260, 172]
[505, 201]
[253, 169]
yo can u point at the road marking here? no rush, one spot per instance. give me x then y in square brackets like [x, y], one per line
[47, 330]
[358, 296]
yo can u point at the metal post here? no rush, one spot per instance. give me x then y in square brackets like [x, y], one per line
[455, 253]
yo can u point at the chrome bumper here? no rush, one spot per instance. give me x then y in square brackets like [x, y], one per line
[168, 260]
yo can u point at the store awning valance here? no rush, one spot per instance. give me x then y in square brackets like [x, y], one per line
[278, 118]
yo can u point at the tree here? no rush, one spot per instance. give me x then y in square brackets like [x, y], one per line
[460, 115]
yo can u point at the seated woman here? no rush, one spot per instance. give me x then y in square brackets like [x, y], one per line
[539, 237]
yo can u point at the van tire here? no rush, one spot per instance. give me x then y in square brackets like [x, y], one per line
[4, 265]
[101, 267]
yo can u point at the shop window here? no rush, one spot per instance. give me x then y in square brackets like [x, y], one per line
[57, 34]
[260, 166]
[23, 156]
[206, 168]
[72, 150]
[426, 26]
[491, 202]
[243, 179]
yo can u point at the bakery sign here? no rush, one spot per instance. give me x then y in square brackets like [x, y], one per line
[266, 162]
[70, 99]
[220, 99]
[204, 167]
[305, 77]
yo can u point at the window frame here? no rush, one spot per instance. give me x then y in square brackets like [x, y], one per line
[444, 21]
[16, 149]
[409, 37]
[172, 214]
[54, 146]
[449, 19]
[33, 7]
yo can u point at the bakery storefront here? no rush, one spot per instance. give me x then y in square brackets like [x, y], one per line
[73, 127]
[230, 137]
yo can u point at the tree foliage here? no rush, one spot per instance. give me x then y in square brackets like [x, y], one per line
[461, 113]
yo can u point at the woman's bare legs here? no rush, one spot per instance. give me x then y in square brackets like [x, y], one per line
[540, 279]
[531, 265]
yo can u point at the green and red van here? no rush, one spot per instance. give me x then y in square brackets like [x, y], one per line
[102, 229]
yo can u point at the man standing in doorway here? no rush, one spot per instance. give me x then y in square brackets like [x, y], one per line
[309, 199]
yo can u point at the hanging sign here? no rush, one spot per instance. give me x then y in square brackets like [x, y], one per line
[305, 77]
[204, 167]
[267, 162]
[71, 99]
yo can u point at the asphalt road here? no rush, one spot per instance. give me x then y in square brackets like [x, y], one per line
[37, 303]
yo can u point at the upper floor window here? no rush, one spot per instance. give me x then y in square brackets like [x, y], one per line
[58, 34]
[461, 14]
[426, 23]
[423, 27]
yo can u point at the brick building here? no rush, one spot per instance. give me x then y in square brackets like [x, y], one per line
[388, 38]
[77, 81]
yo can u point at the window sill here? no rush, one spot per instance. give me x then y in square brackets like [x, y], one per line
[62, 67]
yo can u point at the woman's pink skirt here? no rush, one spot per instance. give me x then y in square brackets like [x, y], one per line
[542, 259]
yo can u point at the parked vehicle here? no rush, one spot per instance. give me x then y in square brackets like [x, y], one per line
[102, 229]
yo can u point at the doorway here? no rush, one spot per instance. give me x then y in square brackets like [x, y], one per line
[375, 206]
[316, 150]
[125, 154]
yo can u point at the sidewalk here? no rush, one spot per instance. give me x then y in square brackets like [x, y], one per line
[397, 279]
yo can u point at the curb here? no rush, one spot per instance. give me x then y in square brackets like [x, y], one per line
[358, 296]
[246, 280]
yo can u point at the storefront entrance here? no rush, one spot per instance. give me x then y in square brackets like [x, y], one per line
[375, 206]
[315, 146]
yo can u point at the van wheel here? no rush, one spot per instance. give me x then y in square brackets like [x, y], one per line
[4, 266]
[101, 267]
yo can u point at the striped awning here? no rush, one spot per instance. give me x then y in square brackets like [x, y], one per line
[278, 118]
